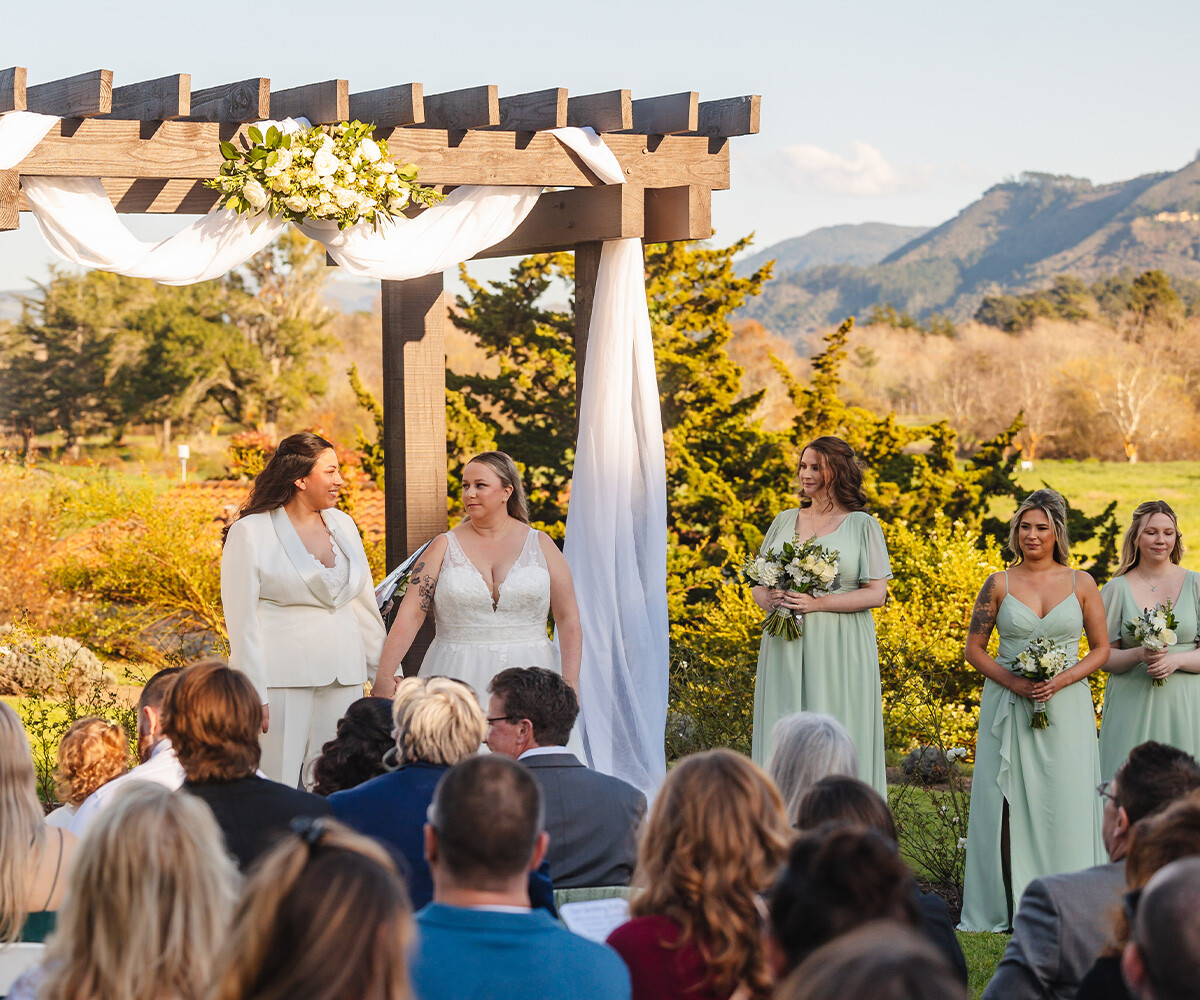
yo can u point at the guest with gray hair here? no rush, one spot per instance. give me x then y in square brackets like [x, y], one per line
[806, 747]
[1162, 961]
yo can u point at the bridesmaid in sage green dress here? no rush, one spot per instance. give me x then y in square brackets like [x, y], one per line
[1034, 809]
[834, 666]
[1135, 709]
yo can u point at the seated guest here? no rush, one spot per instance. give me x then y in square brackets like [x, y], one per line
[879, 961]
[355, 754]
[1162, 961]
[91, 753]
[805, 747]
[1062, 921]
[35, 859]
[213, 715]
[592, 818]
[714, 841]
[148, 904]
[479, 937]
[837, 878]
[1157, 841]
[324, 917]
[157, 756]
[854, 802]
[438, 723]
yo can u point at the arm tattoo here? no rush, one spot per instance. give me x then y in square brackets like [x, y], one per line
[983, 618]
[425, 588]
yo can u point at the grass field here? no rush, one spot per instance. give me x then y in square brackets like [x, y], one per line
[982, 952]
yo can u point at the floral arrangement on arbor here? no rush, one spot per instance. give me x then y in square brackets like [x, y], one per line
[338, 173]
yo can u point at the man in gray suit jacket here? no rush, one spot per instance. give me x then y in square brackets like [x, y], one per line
[1064, 920]
[592, 818]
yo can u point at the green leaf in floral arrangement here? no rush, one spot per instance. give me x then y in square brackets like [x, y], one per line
[254, 135]
[258, 153]
[286, 142]
[272, 157]
[274, 137]
[230, 151]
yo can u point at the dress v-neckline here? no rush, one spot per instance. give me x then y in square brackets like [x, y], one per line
[1041, 618]
[483, 579]
[1174, 600]
[828, 534]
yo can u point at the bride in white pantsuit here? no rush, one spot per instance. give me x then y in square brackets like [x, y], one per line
[299, 603]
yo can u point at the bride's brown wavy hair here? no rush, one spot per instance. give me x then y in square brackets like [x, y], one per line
[294, 459]
[844, 476]
[716, 837]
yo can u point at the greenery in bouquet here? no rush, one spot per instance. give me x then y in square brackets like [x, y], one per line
[1155, 629]
[800, 567]
[337, 173]
[1039, 661]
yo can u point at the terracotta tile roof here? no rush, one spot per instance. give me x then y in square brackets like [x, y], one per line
[227, 495]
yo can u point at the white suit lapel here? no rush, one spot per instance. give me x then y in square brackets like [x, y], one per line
[300, 557]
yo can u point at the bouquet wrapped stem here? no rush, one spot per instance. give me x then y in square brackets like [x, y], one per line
[1155, 629]
[800, 568]
[1040, 661]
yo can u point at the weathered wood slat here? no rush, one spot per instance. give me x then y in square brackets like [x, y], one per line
[455, 110]
[243, 101]
[668, 114]
[10, 189]
[587, 270]
[155, 197]
[320, 103]
[12, 89]
[563, 219]
[111, 148]
[729, 116]
[534, 111]
[164, 99]
[678, 213]
[82, 96]
[390, 106]
[611, 111]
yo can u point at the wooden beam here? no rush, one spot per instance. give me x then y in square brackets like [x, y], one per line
[391, 106]
[729, 116]
[414, 423]
[10, 188]
[163, 99]
[474, 107]
[84, 96]
[12, 89]
[587, 268]
[320, 103]
[611, 111]
[149, 196]
[244, 101]
[111, 148]
[534, 111]
[678, 213]
[562, 219]
[667, 115]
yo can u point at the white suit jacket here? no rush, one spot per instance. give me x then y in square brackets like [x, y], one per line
[286, 629]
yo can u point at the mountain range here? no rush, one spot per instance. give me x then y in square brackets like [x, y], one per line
[1015, 238]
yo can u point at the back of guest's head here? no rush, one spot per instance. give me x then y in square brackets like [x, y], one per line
[155, 688]
[324, 916]
[1167, 932]
[1154, 776]
[838, 878]
[542, 697]
[213, 717]
[713, 842]
[148, 901]
[882, 960]
[22, 828]
[437, 720]
[355, 754]
[93, 751]
[849, 801]
[805, 747]
[487, 814]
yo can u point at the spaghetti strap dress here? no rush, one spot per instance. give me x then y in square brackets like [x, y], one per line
[834, 666]
[1048, 777]
[1135, 710]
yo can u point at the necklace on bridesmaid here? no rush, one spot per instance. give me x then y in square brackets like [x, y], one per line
[821, 525]
[1153, 586]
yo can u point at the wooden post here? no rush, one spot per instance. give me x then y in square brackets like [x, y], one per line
[414, 424]
[587, 266]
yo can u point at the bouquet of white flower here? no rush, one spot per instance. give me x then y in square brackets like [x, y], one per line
[333, 172]
[802, 567]
[1155, 629]
[1039, 661]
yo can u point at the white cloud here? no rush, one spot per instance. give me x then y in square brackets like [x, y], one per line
[865, 173]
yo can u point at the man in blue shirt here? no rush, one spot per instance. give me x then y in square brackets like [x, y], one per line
[479, 939]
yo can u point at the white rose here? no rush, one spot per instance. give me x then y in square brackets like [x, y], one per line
[297, 203]
[387, 167]
[369, 150]
[400, 200]
[254, 193]
[1159, 622]
[283, 158]
[1169, 637]
[277, 183]
[325, 163]
[344, 197]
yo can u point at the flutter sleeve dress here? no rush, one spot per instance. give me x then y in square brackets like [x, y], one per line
[1135, 710]
[834, 666]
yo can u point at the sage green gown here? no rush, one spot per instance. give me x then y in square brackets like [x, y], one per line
[834, 666]
[1047, 776]
[1134, 709]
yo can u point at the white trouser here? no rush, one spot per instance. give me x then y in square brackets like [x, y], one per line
[302, 720]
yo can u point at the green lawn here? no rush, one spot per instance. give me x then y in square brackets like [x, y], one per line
[982, 952]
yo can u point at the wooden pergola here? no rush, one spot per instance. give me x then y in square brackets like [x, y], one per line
[153, 144]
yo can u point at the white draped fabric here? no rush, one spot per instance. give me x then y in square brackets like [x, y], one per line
[616, 537]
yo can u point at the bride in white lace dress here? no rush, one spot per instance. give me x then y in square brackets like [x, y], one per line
[491, 583]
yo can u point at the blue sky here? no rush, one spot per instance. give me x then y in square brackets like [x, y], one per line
[872, 111]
